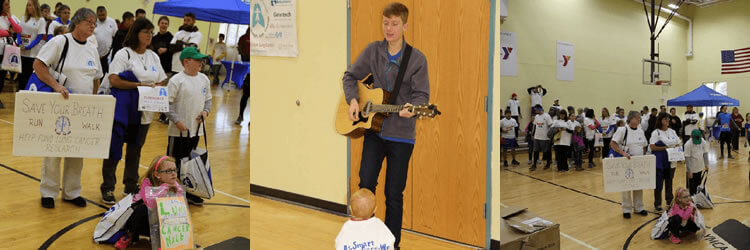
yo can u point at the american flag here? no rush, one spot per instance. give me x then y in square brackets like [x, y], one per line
[735, 61]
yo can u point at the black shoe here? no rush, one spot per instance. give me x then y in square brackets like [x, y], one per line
[658, 208]
[514, 162]
[643, 212]
[2, 106]
[626, 215]
[532, 168]
[48, 202]
[238, 121]
[132, 191]
[194, 200]
[547, 166]
[730, 157]
[78, 201]
[108, 197]
[592, 165]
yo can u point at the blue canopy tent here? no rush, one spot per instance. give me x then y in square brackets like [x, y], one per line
[218, 11]
[703, 96]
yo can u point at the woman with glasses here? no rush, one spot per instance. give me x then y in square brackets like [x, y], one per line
[132, 66]
[82, 69]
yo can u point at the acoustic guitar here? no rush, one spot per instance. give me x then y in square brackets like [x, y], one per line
[373, 111]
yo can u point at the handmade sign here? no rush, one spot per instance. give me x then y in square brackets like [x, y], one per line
[175, 226]
[154, 99]
[47, 125]
[623, 174]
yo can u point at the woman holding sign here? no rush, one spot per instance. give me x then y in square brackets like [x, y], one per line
[663, 138]
[630, 141]
[81, 72]
[133, 66]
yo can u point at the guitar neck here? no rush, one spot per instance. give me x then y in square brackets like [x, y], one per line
[387, 108]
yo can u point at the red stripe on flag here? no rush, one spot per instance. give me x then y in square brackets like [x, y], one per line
[734, 64]
[742, 53]
[738, 62]
[743, 49]
[739, 68]
[742, 56]
[734, 72]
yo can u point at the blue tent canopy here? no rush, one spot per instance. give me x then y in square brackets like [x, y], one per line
[218, 11]
[703, 96]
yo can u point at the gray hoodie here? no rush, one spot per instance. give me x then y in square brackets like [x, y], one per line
[415, 88]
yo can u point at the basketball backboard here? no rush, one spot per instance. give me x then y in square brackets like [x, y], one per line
[657, 73]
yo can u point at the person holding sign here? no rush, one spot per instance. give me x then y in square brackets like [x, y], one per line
[132, 66]
[662, 138]
[162, 173]
[630, 141]
[82, 71]
[189, 104]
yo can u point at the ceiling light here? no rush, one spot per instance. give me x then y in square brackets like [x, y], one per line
[672, 6]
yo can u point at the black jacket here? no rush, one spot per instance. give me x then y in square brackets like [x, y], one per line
[162, 41]
[118, 40]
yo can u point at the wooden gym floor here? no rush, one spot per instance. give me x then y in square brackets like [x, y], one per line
[26, 225]
[589, 218]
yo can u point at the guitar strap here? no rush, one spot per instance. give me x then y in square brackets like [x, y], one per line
[401, 72]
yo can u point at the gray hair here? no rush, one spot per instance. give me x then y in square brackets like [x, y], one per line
[632, 115]
[80, 15]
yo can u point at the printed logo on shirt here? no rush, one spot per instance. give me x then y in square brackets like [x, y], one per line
[91, 63]
[370, 245]
[204, 91]
[153, 68]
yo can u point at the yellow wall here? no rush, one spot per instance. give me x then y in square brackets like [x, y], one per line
[295, 148]
[720, 27]
[610, 38]
[495, 156]
[115, 10]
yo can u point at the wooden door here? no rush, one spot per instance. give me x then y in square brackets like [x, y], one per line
[446, 187]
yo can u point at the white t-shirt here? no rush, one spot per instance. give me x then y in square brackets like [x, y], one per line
[542, 123]
[564, 135]
[5, 25]
[30, 30]
[188, 94]
[636, 140]
[701, 124]
[146, 67]
[82, 65]
[606, 123]
[644, 122]
[187, 37]
[105, 32]
[55, 23]
[587, 130]
[690, 127]
[508, 124]
[668, 137]
[694, 155]
[536, 98]
[219, 48]
[370, 234]
[513, 104]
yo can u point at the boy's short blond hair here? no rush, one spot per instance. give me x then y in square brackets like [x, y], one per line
[362, 203]
[396, 9]
[59, 30]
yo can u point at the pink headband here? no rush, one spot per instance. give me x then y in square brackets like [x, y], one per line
[156, 168]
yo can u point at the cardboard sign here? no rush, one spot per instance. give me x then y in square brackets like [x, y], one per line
[175, 226]
[637, 173]
[45, 124]
[154, 99]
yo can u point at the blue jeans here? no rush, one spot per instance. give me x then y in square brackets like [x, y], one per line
[374, 150]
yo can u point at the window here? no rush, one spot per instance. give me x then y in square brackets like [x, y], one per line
[232, 33]
[720, 87]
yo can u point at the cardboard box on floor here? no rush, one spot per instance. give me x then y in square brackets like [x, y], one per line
[514, 238]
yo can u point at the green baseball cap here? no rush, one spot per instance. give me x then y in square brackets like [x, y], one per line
[191, 52]
[697, 136]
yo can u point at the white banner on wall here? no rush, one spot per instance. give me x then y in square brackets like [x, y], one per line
[508, 54]
[565, 61]
[273, 28]
[621, 174]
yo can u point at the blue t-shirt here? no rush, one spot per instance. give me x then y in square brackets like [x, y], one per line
[725, 119]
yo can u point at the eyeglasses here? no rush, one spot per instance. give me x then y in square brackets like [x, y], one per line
[90, 22]
[168, 171]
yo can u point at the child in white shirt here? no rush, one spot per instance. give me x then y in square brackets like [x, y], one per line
[696, 159]
[364, 230]
[189, 104]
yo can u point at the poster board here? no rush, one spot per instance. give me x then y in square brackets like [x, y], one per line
[621, 174]
[154, 99]
[47, 125]
[175, 225]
